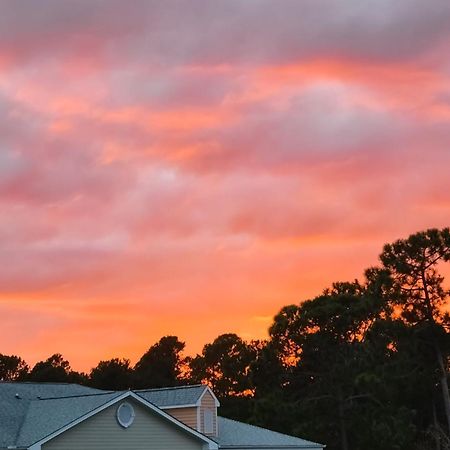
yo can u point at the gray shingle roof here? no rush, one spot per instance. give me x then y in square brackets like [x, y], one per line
[238, 435]
[14, 410]
[175, 396]
[44, 417]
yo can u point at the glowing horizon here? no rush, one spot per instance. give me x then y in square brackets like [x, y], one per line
[171, 169]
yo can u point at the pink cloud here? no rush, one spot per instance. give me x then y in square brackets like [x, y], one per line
[167, 166]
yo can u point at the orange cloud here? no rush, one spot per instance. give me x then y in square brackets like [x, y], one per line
[155, 179]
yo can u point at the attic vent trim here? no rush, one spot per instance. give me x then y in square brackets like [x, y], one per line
[125, 415]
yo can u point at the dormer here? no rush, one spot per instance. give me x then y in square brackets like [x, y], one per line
[195, 406]
[207, 412]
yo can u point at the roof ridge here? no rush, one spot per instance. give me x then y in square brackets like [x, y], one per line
[81, 395]
[188, 386]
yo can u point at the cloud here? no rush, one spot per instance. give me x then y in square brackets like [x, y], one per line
[168, 166]
[236, 31]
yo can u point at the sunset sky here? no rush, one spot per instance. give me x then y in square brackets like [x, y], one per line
[190, 167]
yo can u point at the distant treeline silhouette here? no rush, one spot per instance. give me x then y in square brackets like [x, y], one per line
[362, 366]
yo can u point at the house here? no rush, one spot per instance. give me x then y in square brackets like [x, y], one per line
[59, 416]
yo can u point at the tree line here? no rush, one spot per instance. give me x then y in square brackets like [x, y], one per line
[364, 365]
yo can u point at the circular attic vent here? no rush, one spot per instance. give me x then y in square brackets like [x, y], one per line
[125, 415]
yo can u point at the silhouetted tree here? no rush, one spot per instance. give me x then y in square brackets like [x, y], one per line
[418, 290]
[12, 368]
[162, 365]
[225, 366]
[334, 379]
[114, 374]
[54, 369]
[266, 370]
[325, 336]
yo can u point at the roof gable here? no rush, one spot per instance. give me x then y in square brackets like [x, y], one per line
[209, 390]
[87, 406]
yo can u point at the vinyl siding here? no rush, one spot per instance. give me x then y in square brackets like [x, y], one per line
[102, 432]
[208, 403]
[185, 415]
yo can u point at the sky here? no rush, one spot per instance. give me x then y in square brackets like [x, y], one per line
[188, 168]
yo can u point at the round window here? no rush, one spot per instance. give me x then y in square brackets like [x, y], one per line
[125, 415]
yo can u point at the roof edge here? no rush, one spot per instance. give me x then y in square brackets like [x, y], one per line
[306, 445]
[271, 447]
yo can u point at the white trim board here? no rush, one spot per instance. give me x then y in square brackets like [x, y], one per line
[176, 406]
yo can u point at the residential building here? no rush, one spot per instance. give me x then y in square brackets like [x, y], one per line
[59, 416]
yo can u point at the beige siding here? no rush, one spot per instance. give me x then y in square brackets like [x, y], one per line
[208, 403]
[102, 432]
[185, 415]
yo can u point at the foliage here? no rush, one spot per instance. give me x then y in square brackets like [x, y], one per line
[162, 365]
[114, 374]
[12, 368]
[413, 266]
[54, 369]
[225, 366]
